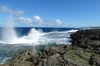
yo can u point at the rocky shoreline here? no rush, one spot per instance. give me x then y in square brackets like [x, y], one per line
[84, 51]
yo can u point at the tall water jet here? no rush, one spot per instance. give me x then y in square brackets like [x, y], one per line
[8, 32]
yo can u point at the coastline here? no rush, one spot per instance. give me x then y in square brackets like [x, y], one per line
[84, 51]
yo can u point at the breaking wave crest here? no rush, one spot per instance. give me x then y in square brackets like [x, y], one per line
[10, 36]
[34, 37]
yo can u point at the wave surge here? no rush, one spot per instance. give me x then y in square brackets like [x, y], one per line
[10, 36]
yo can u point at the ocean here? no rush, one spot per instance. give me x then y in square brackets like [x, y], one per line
[15, 40]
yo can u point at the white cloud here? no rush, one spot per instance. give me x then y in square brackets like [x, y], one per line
[17, 12]
[38, 19]
[8, 10]
[23, 20]
[58, 22]
[5, 9]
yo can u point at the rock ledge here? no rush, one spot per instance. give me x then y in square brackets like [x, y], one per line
[84, 51]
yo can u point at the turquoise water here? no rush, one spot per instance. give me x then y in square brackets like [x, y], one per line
[7, 51]
[18, 39]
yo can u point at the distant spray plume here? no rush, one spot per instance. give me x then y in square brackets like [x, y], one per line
[9, 34]
[8, 31]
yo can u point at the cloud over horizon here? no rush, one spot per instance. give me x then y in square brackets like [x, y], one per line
[6, 9]
[23, 20]
[36, 21]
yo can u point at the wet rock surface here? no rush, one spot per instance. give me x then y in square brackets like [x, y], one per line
[84, 51]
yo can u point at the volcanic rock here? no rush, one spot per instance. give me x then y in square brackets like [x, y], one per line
[87, 39]
[84, 51]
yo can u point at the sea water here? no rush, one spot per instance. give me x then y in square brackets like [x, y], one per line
[15, 40]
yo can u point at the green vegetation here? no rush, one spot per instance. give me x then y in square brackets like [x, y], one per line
[72, 55]
[80, 56]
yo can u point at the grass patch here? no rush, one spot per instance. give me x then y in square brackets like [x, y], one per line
[80, 56]
[72, 55]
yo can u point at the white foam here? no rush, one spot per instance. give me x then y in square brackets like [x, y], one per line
[8, 32]
[34, 37]
[9, 35]
[3, 60]
[71, 31]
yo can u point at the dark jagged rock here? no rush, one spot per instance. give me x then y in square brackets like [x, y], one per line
[84, 51]
[95, 60]
[63, 55]
[87, 39]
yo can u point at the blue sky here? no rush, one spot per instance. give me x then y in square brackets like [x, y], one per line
[51, 13]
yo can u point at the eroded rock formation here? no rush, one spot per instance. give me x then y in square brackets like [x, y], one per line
[84, 51]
